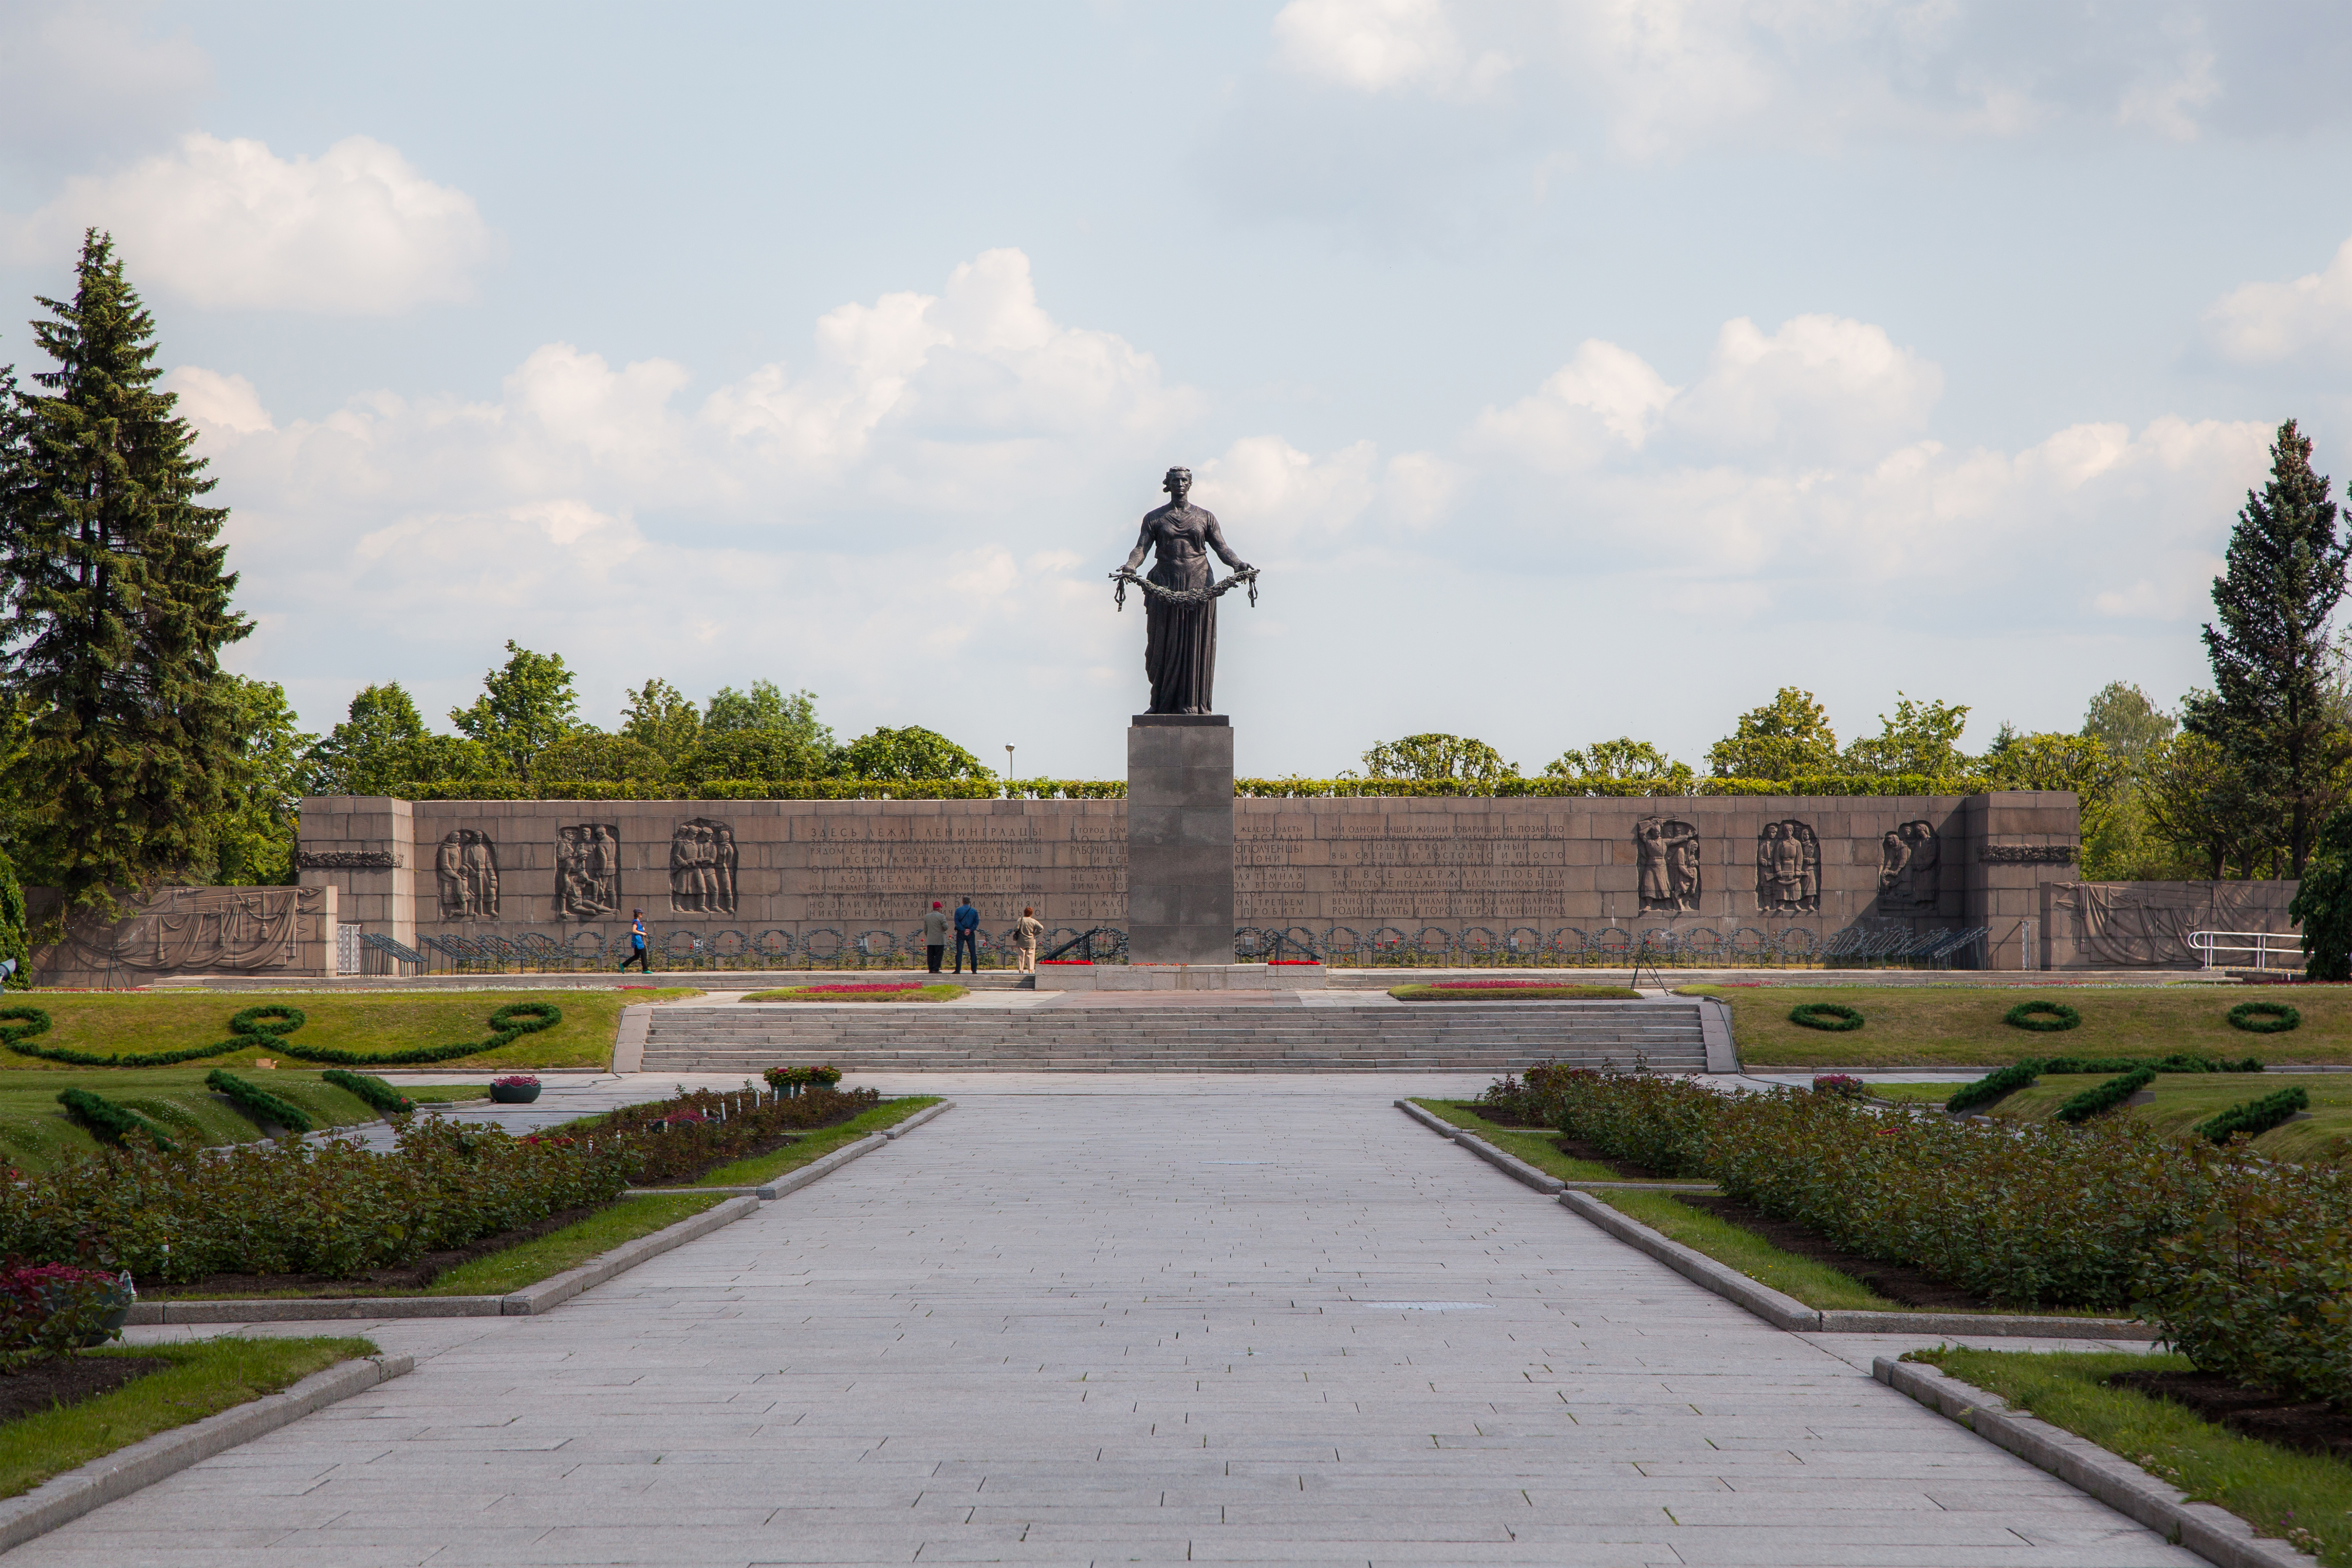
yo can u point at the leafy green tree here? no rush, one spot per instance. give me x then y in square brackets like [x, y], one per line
[1918, 740]
[263, 817]
[16, 937]
[2124, 846]
[2129, 723]
[2273, 711]
[586, 756]
[1787, 738]
[767, 707]
[525, 706]
[119, 608]
[2201, 803]
[663, 720]
[2055, 762]
[1438, 757]
[2322, 902]
[383, 748]
[1623, 760]
[911, 754]
[767, 755]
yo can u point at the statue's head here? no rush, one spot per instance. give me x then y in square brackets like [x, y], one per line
[1178, 483]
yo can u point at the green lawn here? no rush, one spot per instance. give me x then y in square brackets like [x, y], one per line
[1959, 1025]
[815, 1146]
[2183, 1100]
[1814, 1284]
[206, 1377]
[1537, 1146]
[2272, 1488]
[36, 1132]
[370, 1021]
[569, 1248]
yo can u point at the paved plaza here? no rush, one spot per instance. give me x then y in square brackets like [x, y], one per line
[1226, 1319]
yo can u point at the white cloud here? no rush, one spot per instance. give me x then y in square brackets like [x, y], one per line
[2269, 323]
[231, 225]
[1820, 389]
[1377, 45]
[89, 78]
[222, 406]
[1605, 395]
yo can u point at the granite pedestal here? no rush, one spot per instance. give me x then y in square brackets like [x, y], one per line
[1180, 839]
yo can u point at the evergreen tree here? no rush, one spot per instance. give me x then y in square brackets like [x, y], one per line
[2273, 712]
[119, 606]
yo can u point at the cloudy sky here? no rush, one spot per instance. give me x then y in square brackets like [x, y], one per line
[1570, 369]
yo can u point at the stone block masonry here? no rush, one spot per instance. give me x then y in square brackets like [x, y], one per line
[1180, 839]
[1759, 866]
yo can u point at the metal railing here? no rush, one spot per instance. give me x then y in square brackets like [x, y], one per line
[2265, 945]
[681, 949]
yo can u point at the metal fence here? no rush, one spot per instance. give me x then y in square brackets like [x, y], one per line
[679, 949]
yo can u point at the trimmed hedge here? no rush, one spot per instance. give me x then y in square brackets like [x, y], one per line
[378, 1095]
[2255, 1117]
[1535, 786]
[1833, 1017]
[2041, 1018]
[265, 1029]
[2105, 1097]
[2008, 1081]
[2264, 1018]
[258, 1103]
[1995, 1084]
[110, 1122]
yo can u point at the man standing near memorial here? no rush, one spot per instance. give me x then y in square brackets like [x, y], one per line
[1025, 932]
[935, 934]
[967, 929]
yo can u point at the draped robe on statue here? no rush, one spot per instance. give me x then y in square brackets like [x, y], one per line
[1179, 645]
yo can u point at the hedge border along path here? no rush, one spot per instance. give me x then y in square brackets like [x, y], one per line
[111, 1122]
[267, 1027]
[2105, 1097]
[2041, 1018]
[2255, 1117]
[1834, 1016]
[2249, 1016]
[2004, 1081]
[257, 1102]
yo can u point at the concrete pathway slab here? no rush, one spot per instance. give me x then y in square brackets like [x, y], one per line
[1230, 1321]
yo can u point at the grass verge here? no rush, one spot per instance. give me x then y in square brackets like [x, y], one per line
[1537, 1145]
[815, 1146]
[206, 1377]
[2273, 1490]
[1514, 992]
[371, 1022]
[1959, 1025]
[899, 992]
[569, 1248]
[1814, 1284]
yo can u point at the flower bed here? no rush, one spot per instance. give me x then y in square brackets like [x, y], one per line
[54, 1309]
[681, 1138]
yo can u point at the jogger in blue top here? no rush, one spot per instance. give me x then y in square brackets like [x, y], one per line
[636, 943]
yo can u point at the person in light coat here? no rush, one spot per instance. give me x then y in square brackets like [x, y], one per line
[935, 934]
[1025, 932]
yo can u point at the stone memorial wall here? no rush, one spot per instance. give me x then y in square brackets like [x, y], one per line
[1768, 864]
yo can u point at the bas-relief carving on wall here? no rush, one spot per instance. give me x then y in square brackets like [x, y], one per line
[1788, 868]
[702, 868]
[1668, 850]
[467, 865]
[346, 860]
[1910, 862]
[588, 870]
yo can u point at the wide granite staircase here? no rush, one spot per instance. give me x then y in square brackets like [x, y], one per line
[1191, 1037]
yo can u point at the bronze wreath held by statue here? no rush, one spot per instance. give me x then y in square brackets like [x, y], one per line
[1246, 575]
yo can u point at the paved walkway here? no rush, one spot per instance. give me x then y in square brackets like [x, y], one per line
[1201, 1319]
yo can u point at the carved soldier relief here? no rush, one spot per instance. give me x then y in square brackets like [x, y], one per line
[1788, 868]
[1668, 850]
[466, 866]
[702, 868]
[1910, 866]
[588, 870]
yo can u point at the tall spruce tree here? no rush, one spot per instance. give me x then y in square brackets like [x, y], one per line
[2272, 710]
[118, 608]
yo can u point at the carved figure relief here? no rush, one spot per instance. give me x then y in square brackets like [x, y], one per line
[1910, 866]
[1668, 850]
[588, 870]
[702, 868]
[467, 867]
[1788, 868]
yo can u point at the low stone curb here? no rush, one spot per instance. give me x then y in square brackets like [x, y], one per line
[2214, 1533]
[629, 1037]
[817, 1170]
[1510, 1166]
[551, 1292]
[62, 1499]
[1784, 1312]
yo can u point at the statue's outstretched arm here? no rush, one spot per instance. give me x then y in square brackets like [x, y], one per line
[1142, 544]
[1216, 538]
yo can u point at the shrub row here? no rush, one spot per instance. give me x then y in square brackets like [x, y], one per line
[110, 1122]
[49, 1309]
[2008, 1081]
[2255, 1117]
[379, 1095]
[257, 1102]
[688, 1133]
[2105, 1097]
[1536, 785]
[287, 1208]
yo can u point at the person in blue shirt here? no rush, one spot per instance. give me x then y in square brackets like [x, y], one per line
[636, 943]
[967, 929]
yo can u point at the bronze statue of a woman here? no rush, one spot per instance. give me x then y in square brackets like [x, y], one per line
[1179, 645]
